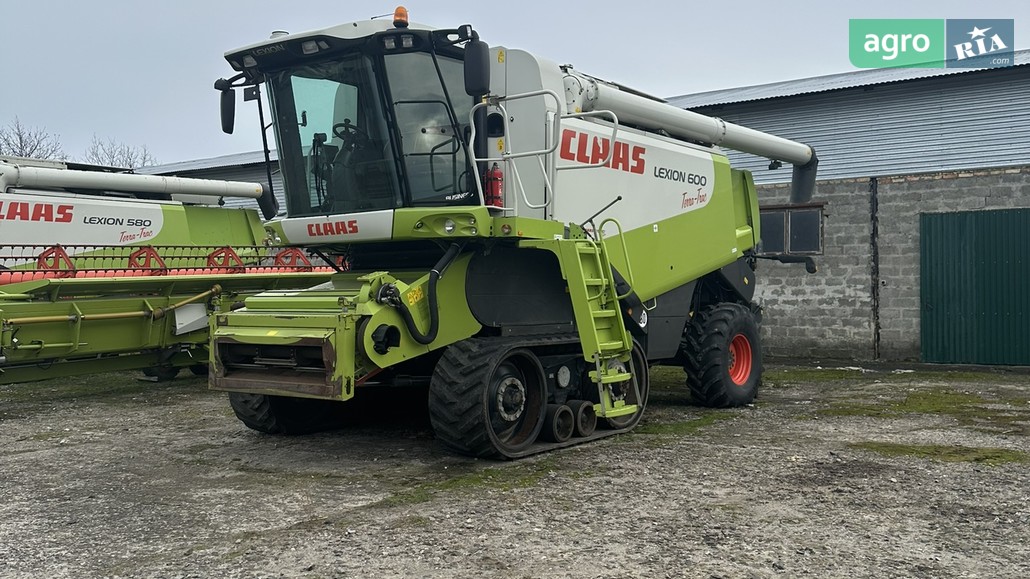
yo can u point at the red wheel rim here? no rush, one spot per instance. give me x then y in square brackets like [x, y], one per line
[740, 359]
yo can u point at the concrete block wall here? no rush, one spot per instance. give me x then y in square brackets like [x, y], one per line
[901, 200]
[828, 313]
[835, 312]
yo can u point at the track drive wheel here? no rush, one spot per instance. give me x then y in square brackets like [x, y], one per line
[283, 414]
[723, 356]
[487, 398]
[641, 374]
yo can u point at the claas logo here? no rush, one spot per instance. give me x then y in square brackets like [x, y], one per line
[44, 212]
[332, 228]
[583, 148]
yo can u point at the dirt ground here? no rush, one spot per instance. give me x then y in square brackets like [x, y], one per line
[832, 473]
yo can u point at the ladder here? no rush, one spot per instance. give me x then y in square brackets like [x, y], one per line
[605, 341]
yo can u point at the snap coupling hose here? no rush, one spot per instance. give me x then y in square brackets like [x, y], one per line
[390, 295]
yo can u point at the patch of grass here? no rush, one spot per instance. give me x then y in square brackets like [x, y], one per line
[518, 475]
[938, 401]
[783, 376]
[411, 522]
[939, 376]
[413, 496]
[1008, 416]
[97, 386]
[729, 507]
[667, 378]
[685, 427]
[286, 474]
[45, 435]
[794, 375]
[988, 456]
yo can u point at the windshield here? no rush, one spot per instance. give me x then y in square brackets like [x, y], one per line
[334, 146]
[337, 152]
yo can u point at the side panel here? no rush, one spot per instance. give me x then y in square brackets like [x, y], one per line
[514, 72]
[29, 218]
[35, 219]
[657, 178]
[345, 228]
[680, 213]
[666, 321]
[518, 288]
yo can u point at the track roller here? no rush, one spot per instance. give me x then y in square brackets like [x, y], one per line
[559, 423]
[585, 418]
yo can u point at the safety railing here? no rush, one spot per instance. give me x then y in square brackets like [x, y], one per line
[507, 155]
[625, 252]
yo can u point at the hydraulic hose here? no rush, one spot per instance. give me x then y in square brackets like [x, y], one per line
[434, 312]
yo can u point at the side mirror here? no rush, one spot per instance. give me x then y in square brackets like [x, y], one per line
[477, 67]
[228, 110]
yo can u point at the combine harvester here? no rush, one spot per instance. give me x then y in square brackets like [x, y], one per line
[104, 271]
[524, 239]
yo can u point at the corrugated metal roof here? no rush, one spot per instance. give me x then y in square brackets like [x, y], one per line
[234, 160]
[937, 124]
[830, 82]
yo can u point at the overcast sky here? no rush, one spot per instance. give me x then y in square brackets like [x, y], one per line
[142, 72]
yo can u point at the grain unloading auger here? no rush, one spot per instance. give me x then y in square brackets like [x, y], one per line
[523, 239]
[103, 271]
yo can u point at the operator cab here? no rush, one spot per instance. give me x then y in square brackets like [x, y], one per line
[367, 117]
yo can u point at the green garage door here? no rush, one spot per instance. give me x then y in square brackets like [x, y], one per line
[975, 287]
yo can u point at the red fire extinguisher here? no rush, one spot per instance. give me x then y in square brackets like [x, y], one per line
[493, 193]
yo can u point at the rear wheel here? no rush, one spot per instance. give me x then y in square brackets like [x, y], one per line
[488, 398]
[283, 414]
[723, 356]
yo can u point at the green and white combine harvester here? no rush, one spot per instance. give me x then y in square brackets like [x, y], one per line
[522, 239]
[103, 271]
[518, 238]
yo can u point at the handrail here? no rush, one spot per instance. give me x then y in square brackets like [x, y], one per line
[625, 252]
[496, 101]
[506, 154]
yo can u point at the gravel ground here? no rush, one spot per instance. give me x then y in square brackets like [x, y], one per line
[832, 473]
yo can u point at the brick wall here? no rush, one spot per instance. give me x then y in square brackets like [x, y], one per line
[833, 313]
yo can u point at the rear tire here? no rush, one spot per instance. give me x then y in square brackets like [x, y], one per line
[283, 414]
[723, 356]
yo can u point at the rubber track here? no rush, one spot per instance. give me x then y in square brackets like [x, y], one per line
[704, 344]
[255, 410]
[455, 398]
